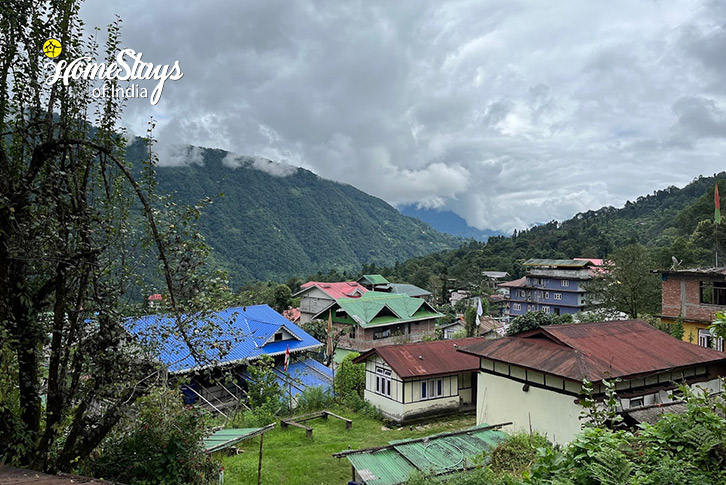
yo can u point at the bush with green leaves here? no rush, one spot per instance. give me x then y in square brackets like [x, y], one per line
[517, 452]
[350, 378]
[532, 320]
[314, 399]
[161, 443]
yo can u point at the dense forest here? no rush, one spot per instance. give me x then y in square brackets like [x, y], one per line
[670, 223]
[268, 221]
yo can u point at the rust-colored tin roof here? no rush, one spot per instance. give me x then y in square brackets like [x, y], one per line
[629, 348]
[426, 358]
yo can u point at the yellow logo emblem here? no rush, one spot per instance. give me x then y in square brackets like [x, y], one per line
[52, 48]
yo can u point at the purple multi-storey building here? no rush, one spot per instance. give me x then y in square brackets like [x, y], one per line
[551, 285]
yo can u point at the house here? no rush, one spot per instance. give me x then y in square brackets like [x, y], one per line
[493, 278]
[374, 282]
[694, 295]
[317, 296]
[411, 290]
[513, 297]
[413, 380]
[439, 454]
[458, 295]
[534, 378]
[451, 328]
[377, 318]
[242, 334]
[553, 286]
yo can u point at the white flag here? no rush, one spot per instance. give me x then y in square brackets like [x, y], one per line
[479, 313]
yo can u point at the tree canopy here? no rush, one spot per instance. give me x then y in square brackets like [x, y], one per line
[81, 236]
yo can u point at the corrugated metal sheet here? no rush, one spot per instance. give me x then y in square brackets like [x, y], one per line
[385, 467]
[246, 330]
[374, 279]
[515, 283]
[427, 358]
[335, 290]
[306, 373]
[562, 263]
[366, 309]
[436, 454]
[224, 438]
[596, 350]
[408, 289]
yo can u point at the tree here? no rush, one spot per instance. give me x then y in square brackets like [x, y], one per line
[283, 298]
[532, 320]
[626, 283]
[470, 321]
[82, 232]
[350, 378]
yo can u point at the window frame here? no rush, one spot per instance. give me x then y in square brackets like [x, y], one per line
[383, 381]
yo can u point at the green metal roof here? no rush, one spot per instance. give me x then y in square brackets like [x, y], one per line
[366, 309]
[437, 454]
[566, 263]
[408, 289]
[224, 438]
[374, 279]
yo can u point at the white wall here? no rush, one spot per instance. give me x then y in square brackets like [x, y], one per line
[502, 400]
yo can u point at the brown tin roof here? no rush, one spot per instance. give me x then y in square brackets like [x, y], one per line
[426, 358]
[596, 351]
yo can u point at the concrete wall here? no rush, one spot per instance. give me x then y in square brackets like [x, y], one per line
[502, 400]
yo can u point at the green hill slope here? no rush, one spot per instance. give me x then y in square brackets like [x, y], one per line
[674, 222]
[268, 227]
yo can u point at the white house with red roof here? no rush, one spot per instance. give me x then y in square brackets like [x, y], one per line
[317, 296]
[413, 380]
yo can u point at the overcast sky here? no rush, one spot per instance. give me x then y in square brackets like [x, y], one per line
[506, 112]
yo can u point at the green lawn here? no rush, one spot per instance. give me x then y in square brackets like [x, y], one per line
[291, 458]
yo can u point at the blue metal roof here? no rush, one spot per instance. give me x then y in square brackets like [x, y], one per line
[306, 373]
[245, 329]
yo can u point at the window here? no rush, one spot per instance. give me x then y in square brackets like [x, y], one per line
[383, 381]
[520, 293]
[382, 334]
[516, 306]
[432, 388]
[564, 283]
[278, 336]
[713, 292]
[635, 402]
[706, 340]
[547, 295]
[546, 309]
[558, 296]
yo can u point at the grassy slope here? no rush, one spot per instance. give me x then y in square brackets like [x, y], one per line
[291, 458]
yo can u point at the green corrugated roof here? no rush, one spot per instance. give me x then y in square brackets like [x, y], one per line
[375, 279]
[408, 289]
[365, 309]
[224, 438]
[568, 263]
[437, 454]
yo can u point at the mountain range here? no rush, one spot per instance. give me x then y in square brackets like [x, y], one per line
[272, 220]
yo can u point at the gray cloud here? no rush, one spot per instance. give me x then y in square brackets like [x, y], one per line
[507, 113]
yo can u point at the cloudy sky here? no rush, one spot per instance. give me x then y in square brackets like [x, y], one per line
[505, 112]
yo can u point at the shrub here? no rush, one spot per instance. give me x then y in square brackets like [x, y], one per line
[161, 444]
[314, 399]
[517, 452]
[350, 378]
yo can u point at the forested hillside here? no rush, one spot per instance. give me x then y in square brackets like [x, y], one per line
[671, 223]
[274, 221]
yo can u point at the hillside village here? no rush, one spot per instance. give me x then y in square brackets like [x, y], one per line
[175, 314]
[509, 357]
